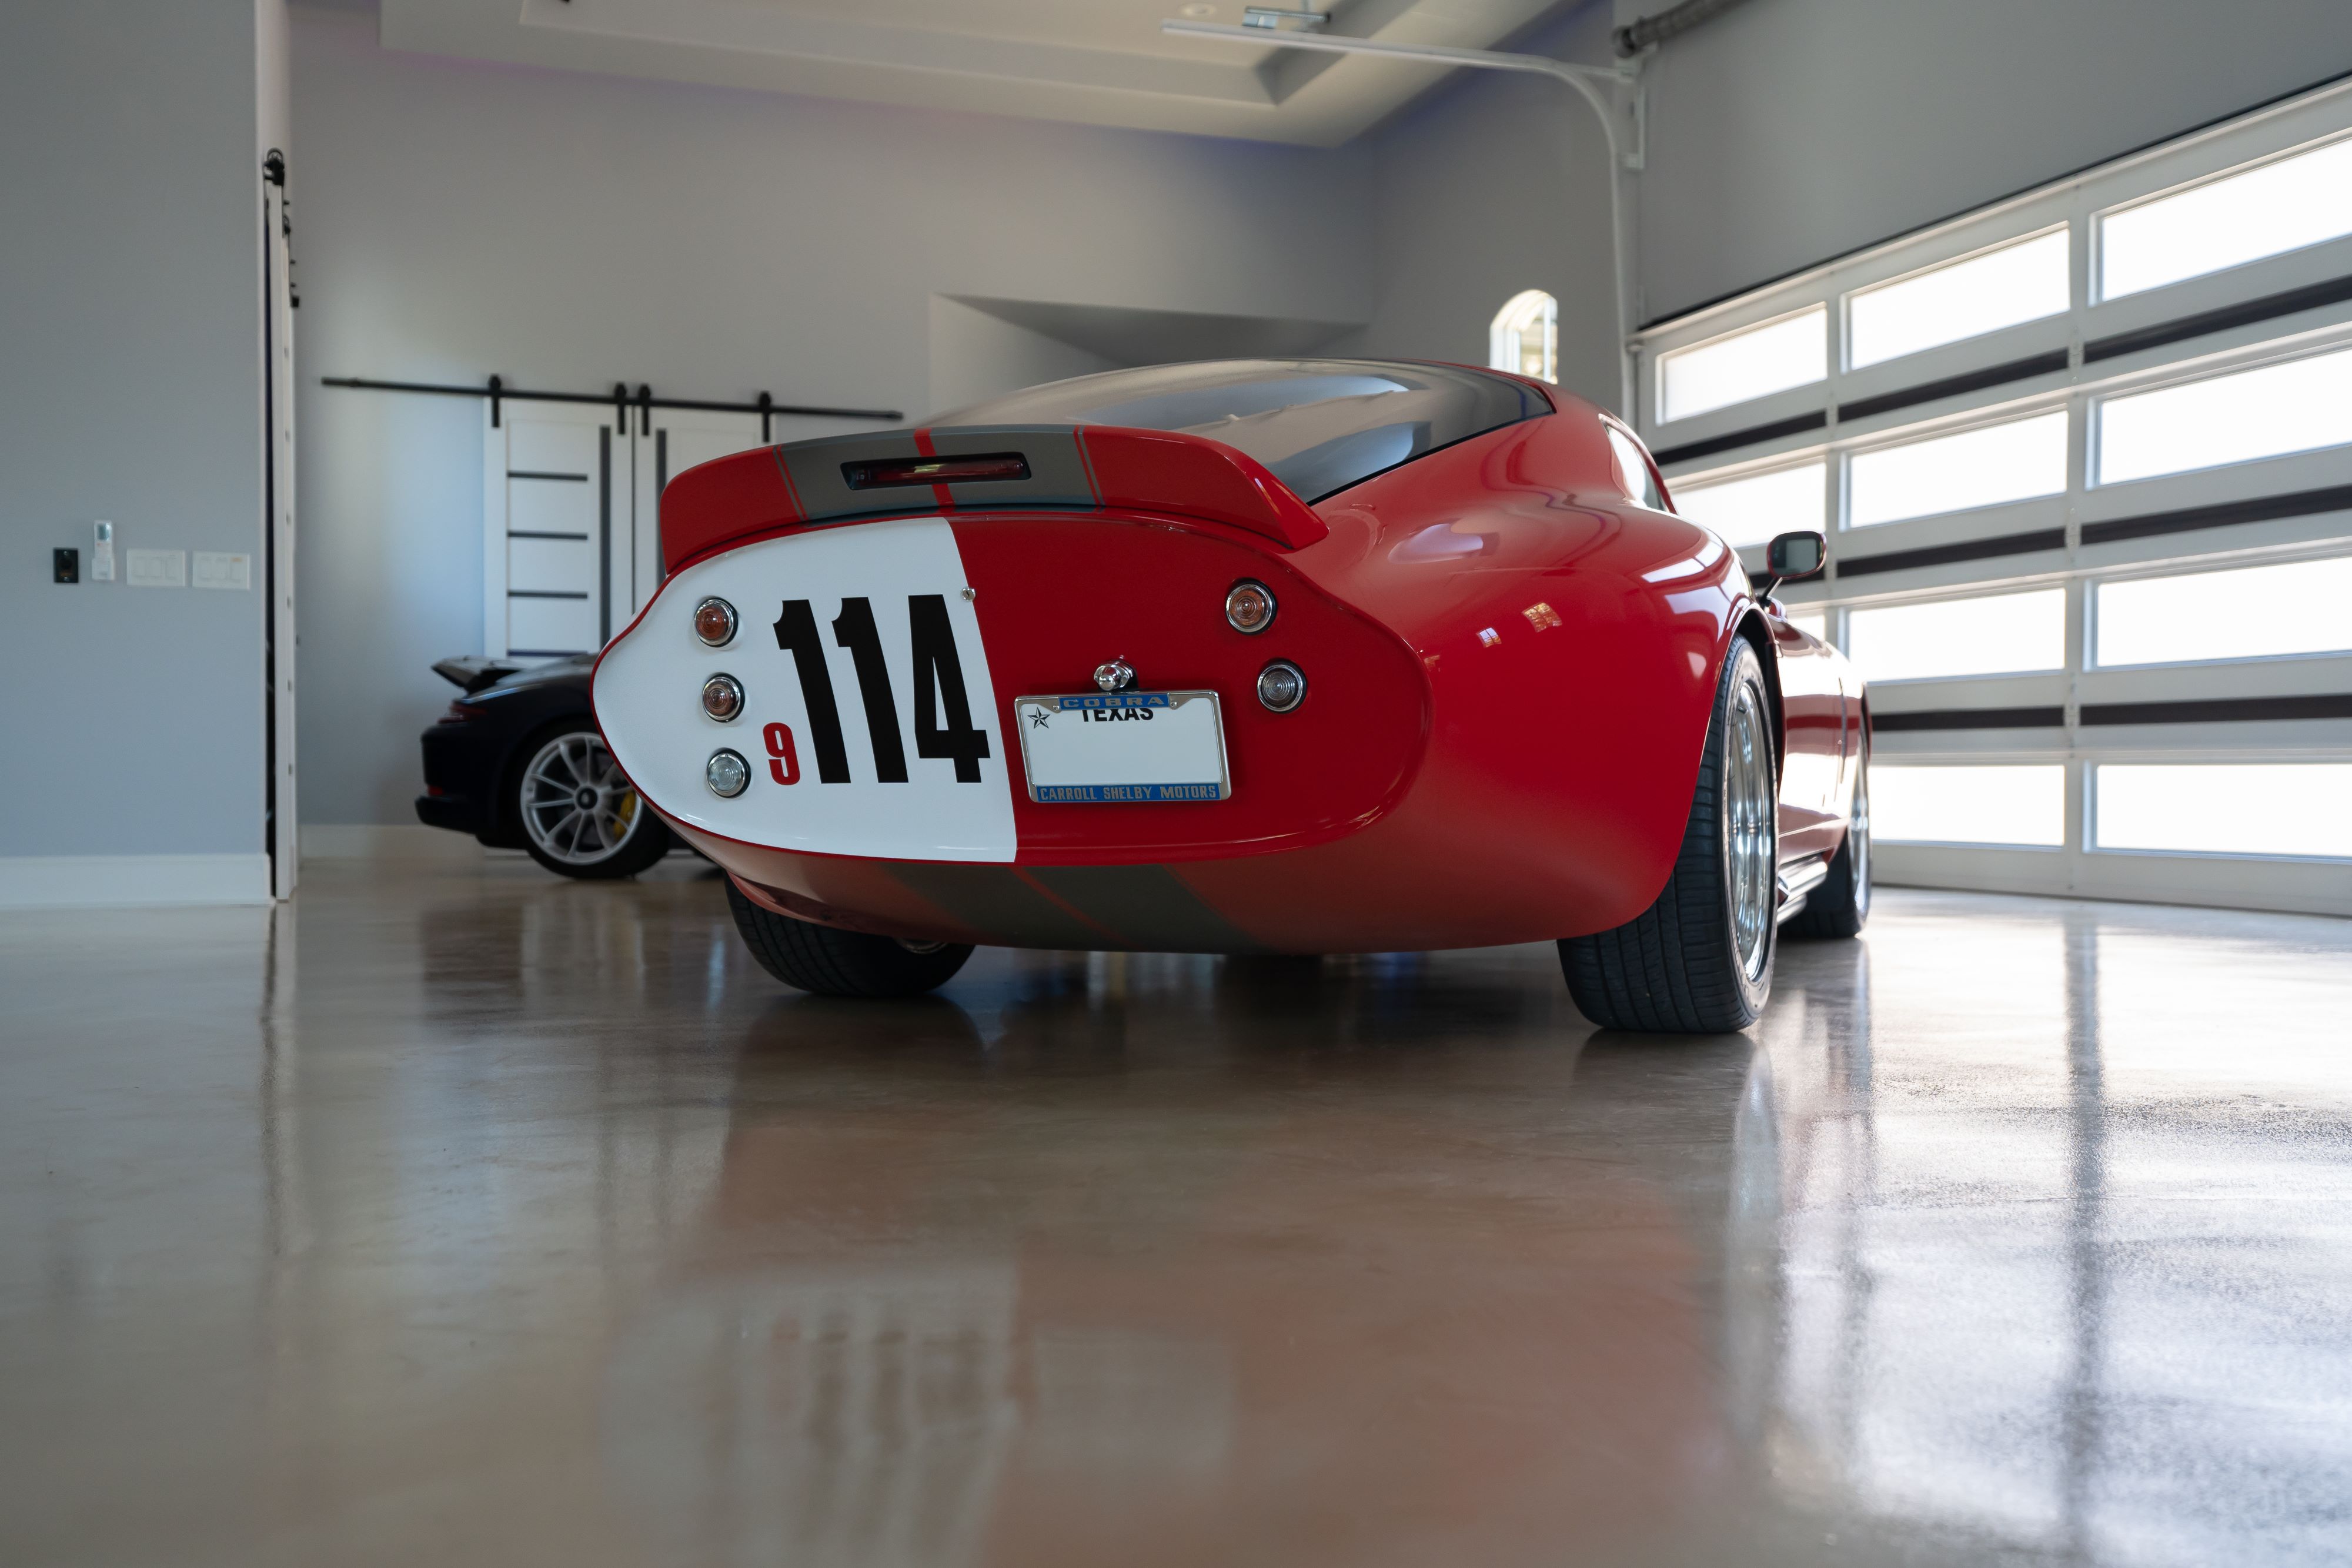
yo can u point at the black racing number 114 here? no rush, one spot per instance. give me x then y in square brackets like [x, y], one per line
[939, 680]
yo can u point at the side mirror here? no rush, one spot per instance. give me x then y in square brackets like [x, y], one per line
[1792, 558]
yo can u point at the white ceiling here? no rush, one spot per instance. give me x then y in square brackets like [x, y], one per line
[1102, 62]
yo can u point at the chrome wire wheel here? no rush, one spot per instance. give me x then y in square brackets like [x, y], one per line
[1751, 830]
[577, 807]
[1858, 834]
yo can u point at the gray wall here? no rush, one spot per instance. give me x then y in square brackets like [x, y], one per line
[130, 258]
[1490, 186]
[566, 231]
[1788, 131]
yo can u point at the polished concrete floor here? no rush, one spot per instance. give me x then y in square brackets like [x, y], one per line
[463, 1216]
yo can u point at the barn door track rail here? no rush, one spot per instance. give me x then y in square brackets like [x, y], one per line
[643, 400]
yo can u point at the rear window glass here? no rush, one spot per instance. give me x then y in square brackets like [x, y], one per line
[1319, 424]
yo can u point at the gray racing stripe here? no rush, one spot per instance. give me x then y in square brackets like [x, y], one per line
[1148, 906]
[995, 901]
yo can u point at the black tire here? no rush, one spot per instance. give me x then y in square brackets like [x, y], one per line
[1839, 906]
[594, 852]
[1678, 967]
[832, 962]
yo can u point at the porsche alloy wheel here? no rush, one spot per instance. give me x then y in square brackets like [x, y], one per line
[828, 962]
[580, 816]
[1699, 959]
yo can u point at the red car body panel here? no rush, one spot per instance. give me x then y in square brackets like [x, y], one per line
[1511, 670]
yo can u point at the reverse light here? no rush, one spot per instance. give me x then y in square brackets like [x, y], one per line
[714, 621]
[1249, 607]
[1281, 686]
[727, 774]
[722, 697]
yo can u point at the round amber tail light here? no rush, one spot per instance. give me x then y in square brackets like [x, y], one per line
[1249, 607]
[714, 621]
[722, 697]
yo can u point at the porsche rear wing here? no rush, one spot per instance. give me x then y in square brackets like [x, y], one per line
[977, 469]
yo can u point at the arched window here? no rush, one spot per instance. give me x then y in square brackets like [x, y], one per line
[1526, 337]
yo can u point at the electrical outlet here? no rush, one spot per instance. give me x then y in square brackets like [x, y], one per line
[64, 566]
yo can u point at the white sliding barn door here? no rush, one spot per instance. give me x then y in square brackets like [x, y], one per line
[571, 513]
[681, 437]
[556, 491]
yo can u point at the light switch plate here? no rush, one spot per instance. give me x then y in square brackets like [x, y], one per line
[215, 568]
[155, 568]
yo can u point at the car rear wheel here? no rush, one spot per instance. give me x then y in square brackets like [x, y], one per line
[1699, 959]
[580, 816]
[1840, 905]
[832, 962]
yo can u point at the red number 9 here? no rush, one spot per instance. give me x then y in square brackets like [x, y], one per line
[784, 762]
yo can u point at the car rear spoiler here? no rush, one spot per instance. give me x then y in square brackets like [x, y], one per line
[977, 469]
[474, 672]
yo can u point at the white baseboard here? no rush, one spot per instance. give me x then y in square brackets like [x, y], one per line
[386, 841]
[85, 882]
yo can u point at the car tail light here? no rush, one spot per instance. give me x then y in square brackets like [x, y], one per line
[1249, 607]
[1281, 686]
[461, 713]
[727, 774]
[886, 473]
[714, 621]
[722, 697]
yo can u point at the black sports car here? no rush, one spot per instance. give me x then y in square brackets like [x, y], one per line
[517, 762]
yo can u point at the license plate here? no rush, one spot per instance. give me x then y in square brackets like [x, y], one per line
[1123, 746]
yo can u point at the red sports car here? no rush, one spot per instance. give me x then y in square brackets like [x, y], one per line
[1287, 656]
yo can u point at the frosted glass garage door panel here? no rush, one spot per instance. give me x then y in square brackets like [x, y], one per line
[2297, 406]
[1751, 510]
[2022, 804]
[1980, 467]
[2017, 283]
[2298, 809]
[1997, 634]
[2279, 207]
[1740, 366]
[2247, 613]
[550, 626]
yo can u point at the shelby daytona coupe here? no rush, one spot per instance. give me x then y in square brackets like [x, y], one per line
[1289, 656]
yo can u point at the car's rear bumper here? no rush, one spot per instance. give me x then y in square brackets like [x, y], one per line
[461, 772]
[455, 813]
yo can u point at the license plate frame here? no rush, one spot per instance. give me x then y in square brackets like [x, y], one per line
[1062, 760]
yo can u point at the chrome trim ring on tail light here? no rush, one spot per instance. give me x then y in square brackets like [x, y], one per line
[1281, 686]
[722, 698]
[1249, 607]
[714, 621]
[727, 774]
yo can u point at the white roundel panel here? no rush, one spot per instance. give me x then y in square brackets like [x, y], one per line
[868, 718]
